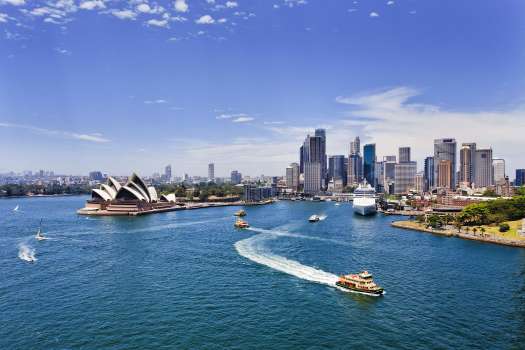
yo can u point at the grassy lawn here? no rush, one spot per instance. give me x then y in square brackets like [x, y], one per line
[510, 234]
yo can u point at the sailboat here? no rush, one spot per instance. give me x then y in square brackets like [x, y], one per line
[16, 208]
[39, 236]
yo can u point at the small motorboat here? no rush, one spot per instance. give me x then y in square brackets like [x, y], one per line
[314, 218]
[241, 224]
[39, 235]
[337, 204]
[240, 213]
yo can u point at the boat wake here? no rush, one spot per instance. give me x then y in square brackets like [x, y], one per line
[253, 249]
[322, 217]
[26, 253]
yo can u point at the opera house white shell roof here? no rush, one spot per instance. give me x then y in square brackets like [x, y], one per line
[134, 189]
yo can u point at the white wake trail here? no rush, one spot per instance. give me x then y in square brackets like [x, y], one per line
[253, 249]
[26, 253]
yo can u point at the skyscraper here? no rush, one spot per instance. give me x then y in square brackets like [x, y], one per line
[405, 177]
[313, 163]
[445, 149]
[355, 146]
[520, 177]
[499, 170]
[167, 173]
[292, 177]
[336, 168]
[429, 173]
[484, 173]
[467, 159]
[404, 154]
[444, 179]
[301, 159]
[321, 133]
[369, 162]
[211, 172]
[354, 170]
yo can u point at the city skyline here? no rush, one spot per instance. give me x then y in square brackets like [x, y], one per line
[395, 73]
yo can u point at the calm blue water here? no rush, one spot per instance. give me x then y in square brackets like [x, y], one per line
[187, 279]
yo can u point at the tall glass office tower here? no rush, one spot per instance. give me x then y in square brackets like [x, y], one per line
[369, 163]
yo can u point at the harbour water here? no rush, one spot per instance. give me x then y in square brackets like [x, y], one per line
[188, 279]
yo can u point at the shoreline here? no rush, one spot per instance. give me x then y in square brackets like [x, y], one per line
[414, 226]
[45, 195]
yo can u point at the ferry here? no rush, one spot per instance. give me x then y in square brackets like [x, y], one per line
[362, 283]
[240, 213]
[364, 202]
[314, 218]
[241, 224]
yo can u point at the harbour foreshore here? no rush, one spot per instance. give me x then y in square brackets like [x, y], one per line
[481, 237]
[186, 206]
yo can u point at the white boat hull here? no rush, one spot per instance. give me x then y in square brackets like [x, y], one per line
[364, 210]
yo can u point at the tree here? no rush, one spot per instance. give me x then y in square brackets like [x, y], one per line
[482, 230]
[504, 227]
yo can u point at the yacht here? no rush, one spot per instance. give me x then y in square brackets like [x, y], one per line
[314, 218]
[365, 199]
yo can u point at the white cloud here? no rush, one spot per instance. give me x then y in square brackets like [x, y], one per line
[124, 14]
[13, 2]
[63, 51]
[275, 6]
[158, 23]
[231, 4]
[231, 116]
[222, 20]
[243, 119]
[390, 3]
[158, 101]
[206, 19]
[92, 4]
[3, 17]
[210, 2]
[181, 6]
[94, 137]
[144, 8]
[374, 14]
[413, 12]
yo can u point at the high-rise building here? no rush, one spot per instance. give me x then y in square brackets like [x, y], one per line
[405, 177]
[292, 176]
[354, 170]
[301, 159]
[389, 169]
[235, 177]
[420, 182]
[520, 177]
[355, 146]
[313, 163]
[369, 163]
[389, 159]
[96, 176]
[444, 178]
[445, 149]
[499, 170]
[483, 173]
[467, 159]
[429, 173]
[404, 154]
[211, 172]
[167, 173]
[336, 168]
[321, 133]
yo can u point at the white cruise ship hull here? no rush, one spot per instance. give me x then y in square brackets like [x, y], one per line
[365, 209]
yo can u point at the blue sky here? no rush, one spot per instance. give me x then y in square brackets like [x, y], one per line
[134, 85]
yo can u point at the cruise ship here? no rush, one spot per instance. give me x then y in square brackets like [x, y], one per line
[365, 199]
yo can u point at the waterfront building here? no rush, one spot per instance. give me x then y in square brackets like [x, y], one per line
[520, 177]
[354, 170]
[254, 193]
[235, 177]
[445, 149]
[389, 172]
[483, 173]
[405, 177]
[369, 162]
[499, 170]
[380, 175]
[321, 133]
[404, 154]
[313, 164]
[167, 173]
[336, 168]
[211, 172]
[292, 177]
[444, 178]
[429, 173]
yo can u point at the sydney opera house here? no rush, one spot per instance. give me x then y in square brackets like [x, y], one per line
[132, 198]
